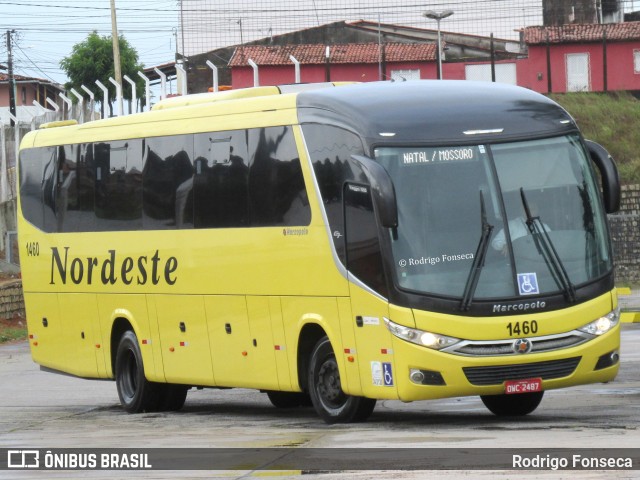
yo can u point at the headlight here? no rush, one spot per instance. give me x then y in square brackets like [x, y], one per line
[603, 324]
[420, 337]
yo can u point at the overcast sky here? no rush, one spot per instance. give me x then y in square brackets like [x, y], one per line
[46, 30]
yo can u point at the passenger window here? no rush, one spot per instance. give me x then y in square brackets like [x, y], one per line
[67, 189]
[220, 181]
[37, 187]
[168, 182]
[277, 193]
[118, 195]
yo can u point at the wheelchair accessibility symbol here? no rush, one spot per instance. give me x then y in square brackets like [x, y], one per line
[528, 284]
[388, 374]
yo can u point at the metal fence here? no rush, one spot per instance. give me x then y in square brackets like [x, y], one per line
[10, 138]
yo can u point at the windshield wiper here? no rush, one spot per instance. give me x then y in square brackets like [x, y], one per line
[548, 251]
[478, 259]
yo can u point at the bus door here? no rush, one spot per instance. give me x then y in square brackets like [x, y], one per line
[368, 293]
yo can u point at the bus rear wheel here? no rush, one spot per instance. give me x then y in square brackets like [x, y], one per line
[172, 397]
[325, 389]
[136, 393]
[512, 405]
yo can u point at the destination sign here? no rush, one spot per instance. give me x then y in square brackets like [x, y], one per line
[438, 155]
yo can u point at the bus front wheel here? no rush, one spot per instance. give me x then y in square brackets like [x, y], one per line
[325, 389]
[136, 393]
[288, 399]
[512, 405]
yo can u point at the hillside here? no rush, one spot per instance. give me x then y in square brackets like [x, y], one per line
[612, 120]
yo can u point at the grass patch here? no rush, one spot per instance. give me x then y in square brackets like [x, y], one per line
[613, 121]
[12, 330]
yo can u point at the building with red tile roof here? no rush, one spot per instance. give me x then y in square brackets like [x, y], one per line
[587, 57]
[346, 62]
[614, 32]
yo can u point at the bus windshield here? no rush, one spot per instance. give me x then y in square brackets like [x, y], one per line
[530, 208]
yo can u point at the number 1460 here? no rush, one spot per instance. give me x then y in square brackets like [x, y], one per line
[522, 328]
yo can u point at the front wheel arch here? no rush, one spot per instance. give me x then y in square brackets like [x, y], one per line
[310, 334]
[136, 393]
[325, 389]
[120, 326]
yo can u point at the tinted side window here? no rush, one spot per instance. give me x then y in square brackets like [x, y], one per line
[49, 188]
[66, 195]
[330, 149]
[118, 194]
[168, 182]
[364, 257]
[33, 163]
[220, 189]
[86, 188]
[239, 178]
[277, 194]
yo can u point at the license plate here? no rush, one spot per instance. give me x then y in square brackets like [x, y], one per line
[523, 386]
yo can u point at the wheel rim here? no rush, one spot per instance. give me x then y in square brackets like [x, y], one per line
[328, 385]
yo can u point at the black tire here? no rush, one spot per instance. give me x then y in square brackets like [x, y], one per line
[136, 393]
[288, 399]
[172, 397]
[325, 390]
[512, 405]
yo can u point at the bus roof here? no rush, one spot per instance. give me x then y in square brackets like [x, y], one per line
[241, 93]
[437, 112]
[413, 112]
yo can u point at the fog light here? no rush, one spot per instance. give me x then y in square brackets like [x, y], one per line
[607, 360]
[426, 377]
[416, 376]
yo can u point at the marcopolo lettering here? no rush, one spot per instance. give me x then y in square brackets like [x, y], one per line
[513, 307]
[112, 269]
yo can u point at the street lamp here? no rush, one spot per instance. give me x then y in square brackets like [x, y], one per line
[437, 17]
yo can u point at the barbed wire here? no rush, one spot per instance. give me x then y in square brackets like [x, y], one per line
[203, 25]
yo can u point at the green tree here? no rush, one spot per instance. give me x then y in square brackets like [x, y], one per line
[92, 60]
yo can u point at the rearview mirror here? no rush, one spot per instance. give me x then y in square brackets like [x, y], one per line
[382, 189]
[609, 174]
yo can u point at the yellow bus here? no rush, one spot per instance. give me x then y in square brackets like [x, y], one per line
[332, 245]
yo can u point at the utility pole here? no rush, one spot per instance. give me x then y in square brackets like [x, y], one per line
[181, 30]
[116, 51]
[12, 80]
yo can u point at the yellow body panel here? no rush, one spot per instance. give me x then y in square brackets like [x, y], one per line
[45, 330]
[184, 339]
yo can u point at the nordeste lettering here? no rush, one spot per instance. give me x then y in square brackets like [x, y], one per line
[113, 269]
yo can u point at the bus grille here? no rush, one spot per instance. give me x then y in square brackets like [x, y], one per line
[538, 345]
[545, 370]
